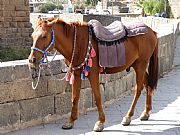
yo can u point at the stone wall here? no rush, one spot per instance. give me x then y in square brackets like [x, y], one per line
[175, 8]
[21, 106]
[15, 27]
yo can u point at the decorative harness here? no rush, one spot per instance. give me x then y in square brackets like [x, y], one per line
[86, 64]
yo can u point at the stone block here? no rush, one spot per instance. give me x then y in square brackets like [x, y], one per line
[85, 101]
[1, 19]
[9, 7]
[20, 19]
[22, 89]
[9, 114]
[6, 24]
[85, 84]
[129, 80]
[22, 8]
[2, 31]
[13, 24]
[55, 67]
[8, 13]
[56, 85]
[5, 73]
[20, 72]
[1, 12]
[6, 2]
[36, 108]
[19, 2]
[63, 103]
[109, 90]
[20, 14]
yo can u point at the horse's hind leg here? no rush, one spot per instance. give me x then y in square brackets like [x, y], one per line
[94, 81]
[148, 107]
[140, 68]
[75, 98]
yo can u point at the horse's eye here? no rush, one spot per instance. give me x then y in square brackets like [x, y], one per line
[44, 36]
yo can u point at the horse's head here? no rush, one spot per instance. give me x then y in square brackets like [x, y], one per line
[43, 41]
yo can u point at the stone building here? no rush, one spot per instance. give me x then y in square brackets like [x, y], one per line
[175, 7]
[15, 26]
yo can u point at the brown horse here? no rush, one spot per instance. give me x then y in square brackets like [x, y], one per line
[71, 40]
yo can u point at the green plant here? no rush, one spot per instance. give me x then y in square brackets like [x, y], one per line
[9, 54]
[47, 7]
[155, 6]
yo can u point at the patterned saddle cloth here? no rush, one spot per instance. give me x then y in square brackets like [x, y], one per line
[110, 40]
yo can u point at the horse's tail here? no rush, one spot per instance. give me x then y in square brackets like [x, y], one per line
[153, 69]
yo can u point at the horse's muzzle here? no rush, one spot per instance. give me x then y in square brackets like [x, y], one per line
[33, 60]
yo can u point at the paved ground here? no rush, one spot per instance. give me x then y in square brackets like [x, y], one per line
[164, 120]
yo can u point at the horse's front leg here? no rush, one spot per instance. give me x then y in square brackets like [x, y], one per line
[76, 87]
[94, 81]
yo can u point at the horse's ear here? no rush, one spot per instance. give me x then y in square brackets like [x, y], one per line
[50, 24]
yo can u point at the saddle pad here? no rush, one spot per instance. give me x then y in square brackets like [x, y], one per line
[134, 29]
[112, 32]
[111, 56]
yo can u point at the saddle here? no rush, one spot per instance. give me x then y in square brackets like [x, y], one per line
[112, 32]
[111, 40]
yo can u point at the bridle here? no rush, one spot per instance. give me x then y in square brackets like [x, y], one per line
[44, 59]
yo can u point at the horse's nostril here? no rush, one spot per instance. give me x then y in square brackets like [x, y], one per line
[33, 60]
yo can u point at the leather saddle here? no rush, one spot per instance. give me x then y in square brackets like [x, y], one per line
[110, 33]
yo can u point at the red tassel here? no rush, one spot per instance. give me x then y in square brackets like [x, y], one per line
[90, 62]
[68, 77]
[72, 79]
[86, 72]
[92, 53]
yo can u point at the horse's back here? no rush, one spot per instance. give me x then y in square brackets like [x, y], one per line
[139, 47]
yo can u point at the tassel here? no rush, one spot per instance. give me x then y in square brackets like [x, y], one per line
[83, 75]
[89, 62]
[86, 72]
[92, 53]
[88, 68]
[68, 77]
[72, 79]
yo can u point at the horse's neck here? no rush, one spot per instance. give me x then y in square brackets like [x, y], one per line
[64, 40]
[71, 39]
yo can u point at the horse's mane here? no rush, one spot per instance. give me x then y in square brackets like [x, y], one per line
[59, 20]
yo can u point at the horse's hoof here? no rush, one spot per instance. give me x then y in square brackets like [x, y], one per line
[144, 116]
[98, 127]
[68, 125]
[126, 121]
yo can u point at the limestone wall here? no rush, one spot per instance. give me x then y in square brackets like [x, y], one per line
[15, 28]
[175, 8]
[21, 106]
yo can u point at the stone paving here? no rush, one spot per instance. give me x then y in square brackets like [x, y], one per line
[164, 120]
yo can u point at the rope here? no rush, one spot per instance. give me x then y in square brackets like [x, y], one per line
[39, 74]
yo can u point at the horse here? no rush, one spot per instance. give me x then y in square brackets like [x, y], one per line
[71, 40]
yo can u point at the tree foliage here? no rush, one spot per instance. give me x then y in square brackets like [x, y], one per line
[47, 7]
[152, 7]
[91, 2]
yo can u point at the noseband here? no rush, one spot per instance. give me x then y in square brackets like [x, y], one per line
[44, 59]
